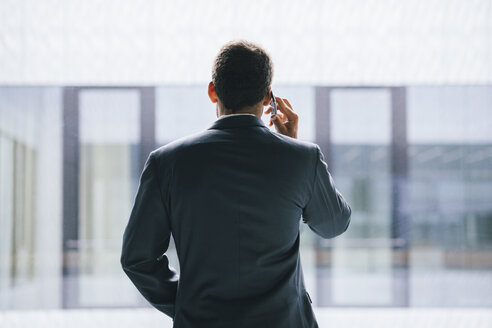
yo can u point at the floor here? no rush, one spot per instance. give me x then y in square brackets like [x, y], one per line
[340, 318]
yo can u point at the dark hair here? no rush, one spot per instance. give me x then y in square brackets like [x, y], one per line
[242, 74]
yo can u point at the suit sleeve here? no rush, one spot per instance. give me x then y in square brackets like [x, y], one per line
[326, 213]
[145, 241]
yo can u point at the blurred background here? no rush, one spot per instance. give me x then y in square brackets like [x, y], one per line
[397, 93]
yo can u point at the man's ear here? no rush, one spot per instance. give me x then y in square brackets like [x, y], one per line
[267, 98]
[211, 93]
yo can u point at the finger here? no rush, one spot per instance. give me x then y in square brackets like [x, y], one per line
[288, 103]
[284, 108]
[269, 109]
[283, 105]
[281, 117]
[278, 124]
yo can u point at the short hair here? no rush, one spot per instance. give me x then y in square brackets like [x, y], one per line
[242, 74]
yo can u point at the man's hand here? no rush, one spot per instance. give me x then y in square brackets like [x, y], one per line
[286, 121]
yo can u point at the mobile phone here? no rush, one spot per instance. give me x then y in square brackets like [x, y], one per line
[273, 103]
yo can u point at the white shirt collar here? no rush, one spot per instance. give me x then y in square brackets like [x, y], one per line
[227, 115]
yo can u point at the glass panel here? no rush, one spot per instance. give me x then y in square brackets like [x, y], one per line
[450, 195]
[30, 197]
[449, 115]
[361, 258]
[6, 210]
[109, 137]
[181, 111]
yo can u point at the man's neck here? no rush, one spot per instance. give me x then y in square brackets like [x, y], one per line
[253, 110]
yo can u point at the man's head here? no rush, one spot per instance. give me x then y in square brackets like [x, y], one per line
[241, 77]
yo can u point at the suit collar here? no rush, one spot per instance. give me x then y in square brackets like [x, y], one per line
[237, 121]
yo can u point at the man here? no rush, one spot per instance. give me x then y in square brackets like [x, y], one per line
[232, 197]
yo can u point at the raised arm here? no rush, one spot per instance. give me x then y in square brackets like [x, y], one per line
[145, 241]
[326, 213]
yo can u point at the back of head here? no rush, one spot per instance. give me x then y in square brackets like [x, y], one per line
[242, 74]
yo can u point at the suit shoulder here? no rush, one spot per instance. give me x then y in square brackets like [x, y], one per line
[166, 157]
[301, 145]
[172, 148]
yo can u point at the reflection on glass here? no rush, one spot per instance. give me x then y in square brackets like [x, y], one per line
[30, 222]
[448, 202]
[450, 195]
[361, 258]
[181, 111]
[109, 136]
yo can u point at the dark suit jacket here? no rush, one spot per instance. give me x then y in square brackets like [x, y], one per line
[232, 197]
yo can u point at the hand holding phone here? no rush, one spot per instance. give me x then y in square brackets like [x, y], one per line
[287, 120]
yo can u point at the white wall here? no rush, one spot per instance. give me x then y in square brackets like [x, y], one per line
[312, 41]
